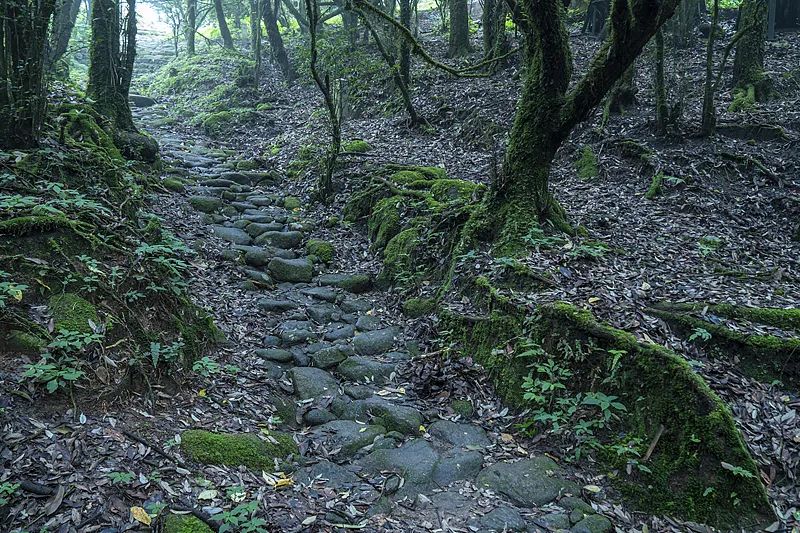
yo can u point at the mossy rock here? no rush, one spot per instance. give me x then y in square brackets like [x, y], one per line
[185, 524]
[417, 307]
[214, 123]
[744, 99]
[384, 222]
[23, 342]
[197, 330]
[72, 313]
[205, 204]
[24, 225]
[357, 146]
[447, 190]
[361, 202]
[463, 408]
[136, 146]
[398, 255]
[292, 203]
[237, 449]
[174, 185]
[323, 250]
[405, 174]
[247, 164]
[586, 165]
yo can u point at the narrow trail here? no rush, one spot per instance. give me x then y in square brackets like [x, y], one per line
[319, 354]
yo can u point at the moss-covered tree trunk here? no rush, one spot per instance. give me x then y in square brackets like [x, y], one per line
[459, 29]
[623, 94]
[276, 46]
[748, 65]
[495, 43]
[23, 36]
[63, 24]
[547, 111]
[111, 64]
[191, 26]
[709, 112]
[405, 49]
[662, 111]
[224, 31]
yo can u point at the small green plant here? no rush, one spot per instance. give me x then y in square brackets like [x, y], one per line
[240, 519]
[9, 289]
[121, 478]
[169, 354]
[206, 366]
[588, 250]
[737, 470]
[537, 238]
[586, 165]
[7, 490]
[59, 366]
[700, 333]
[709, 245]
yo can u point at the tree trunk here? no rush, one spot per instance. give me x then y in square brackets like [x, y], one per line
[495, 43]
[459, 29]
[23, 37]
[63, 24]
[748, 65]
[191, 26]
[277, 49]
[662, 111]
[110, 67]
[405, 49]
[227, 40]
[255, 27]
[709, 112]
[623, 94]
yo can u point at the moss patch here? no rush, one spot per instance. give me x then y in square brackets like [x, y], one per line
[586, 165]
[655, 186]
[72, 313]
[292, 203]
[185, 524]
[356, 145]
[417, 307]
[323, 250]
[237, 449]
[174, 185]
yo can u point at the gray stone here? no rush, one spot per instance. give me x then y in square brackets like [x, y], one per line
[260, 257]
[234, 235]
[272, 341]
[355, 283]
[317, 417]
[218, 183]
[310, 382]
[368, 323]
[137, 100]
[358, 392]
[255, 229]
[275, 354]
[457, 465]
[358, 368]
[392, 416]
[356, 306]
[415, 461]
[329, 357]
[530, 482]
[276, 306]
[461, 435]
[346, 435]
[274, 370]
[320, 293]
[375, 342]
[280, 239]
[321, 313]
[328, 474]
[292, 270]
[339, 332]
[554, 521]
[242, 206]
[292, 337]
[451, 502]
[503, 518]
[594, 523]
[205, 204]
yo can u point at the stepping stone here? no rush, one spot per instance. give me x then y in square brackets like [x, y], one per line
[457, 465]
[330, 357]
[346, 435]
[356, 306]
[310, 382]
[368, 323]
[392, 416]
[292, 270]
[276, 306]
[275, 370]
[317, 417]
[242, 206]
[275, 354]
[504, 518]
[553, 521]
[365, 369]
[327, 474]
[320, 293]
[255, 229]
[281, 239]
[234, 235]
[138, 100]
[205, 204]
[415, 461]
[375, 342]
[322, 313]
[593, 524]
[259, 257]
[358, 392]
[340, 332]
[527, 483]
[216, 182]
[461, 435]
[292, 337]
[355, 283]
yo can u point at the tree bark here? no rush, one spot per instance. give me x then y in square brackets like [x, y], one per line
[623, 94]
[709, 112]
[495, 43]
[63, 24]
[662, 111]
[23, 37]
[277, 48]
[224, 31]
[459, 29]
[748, 65]
[191, 26]
[405, 49]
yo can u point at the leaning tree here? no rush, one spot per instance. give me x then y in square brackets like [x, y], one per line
[23, 38]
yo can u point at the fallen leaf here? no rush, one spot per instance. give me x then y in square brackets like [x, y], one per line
[141, 516]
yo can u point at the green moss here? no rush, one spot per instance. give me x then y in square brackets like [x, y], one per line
[417, 307]
[445, 190]
[291, 203]
[397, 257]
[205, 204]
[655, 186]
[418, 172]
[72, 313]
[174, 185]
[361, 202]
[357, 283]
[24, 342]
[324, 250]
[463, 408]
[213, 123]
[237, 449]
[787, 319]
[197, 330]
[247, 164]
[356, 145]
[264, 106]
[384, 222]
[185, 524]
[34, 224]
[586, 165]
[744, 99]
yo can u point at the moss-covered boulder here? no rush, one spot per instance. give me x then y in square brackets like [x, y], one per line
[174, 185]
[292, 203]
[384, 222]
[238, 449]
[586, 165]
[185, 524]
[359, 146]
[72, 313]
[205, 204]
[322, 250]
[417, 307]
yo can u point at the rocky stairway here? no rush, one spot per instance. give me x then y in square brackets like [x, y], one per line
[330, 344]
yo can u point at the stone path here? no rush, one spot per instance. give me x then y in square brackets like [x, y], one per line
[342, 360]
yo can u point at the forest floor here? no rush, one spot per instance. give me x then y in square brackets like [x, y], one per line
[745, 195]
